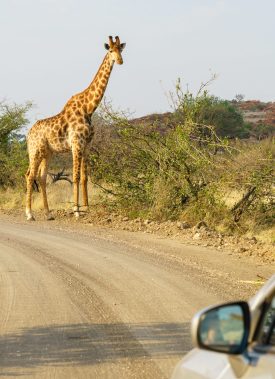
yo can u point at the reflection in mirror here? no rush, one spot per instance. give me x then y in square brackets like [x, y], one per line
[222, 328]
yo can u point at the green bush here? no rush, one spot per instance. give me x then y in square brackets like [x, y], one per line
[185, 171]
[159, 173]
[13, 152]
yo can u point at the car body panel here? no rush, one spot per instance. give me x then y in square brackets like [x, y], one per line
[203, 364]
[263, 368]
[199, 364]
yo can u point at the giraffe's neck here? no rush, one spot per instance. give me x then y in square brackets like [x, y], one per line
[96, 89]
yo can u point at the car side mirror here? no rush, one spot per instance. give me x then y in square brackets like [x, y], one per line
[223, 328]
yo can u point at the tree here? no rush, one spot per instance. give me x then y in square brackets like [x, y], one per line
[239, 97]
[204, 109]
[227, 119]
[13, 157]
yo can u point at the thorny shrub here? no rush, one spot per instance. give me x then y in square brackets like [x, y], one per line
[184, 171]
[158, 173]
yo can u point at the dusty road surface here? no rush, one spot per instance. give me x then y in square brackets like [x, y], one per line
[80, 302]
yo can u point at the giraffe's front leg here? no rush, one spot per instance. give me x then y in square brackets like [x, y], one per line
[42, 180]
[29, 183]
[77, 157]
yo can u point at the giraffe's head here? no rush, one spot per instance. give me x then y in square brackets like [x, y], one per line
[115, 49]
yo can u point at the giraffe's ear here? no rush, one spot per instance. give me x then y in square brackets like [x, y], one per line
[122, 45]
[107, 47]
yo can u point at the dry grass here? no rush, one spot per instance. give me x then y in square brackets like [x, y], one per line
[267, 236]
[12, 198]
[231, 197]
[60, 196]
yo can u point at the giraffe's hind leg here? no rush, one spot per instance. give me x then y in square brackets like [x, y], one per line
[43, 172]
[77, 157]
[84, 182]
[30, 177]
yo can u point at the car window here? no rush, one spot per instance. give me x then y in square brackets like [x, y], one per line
[267, 332]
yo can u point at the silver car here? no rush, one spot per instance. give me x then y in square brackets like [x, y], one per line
[233, 340]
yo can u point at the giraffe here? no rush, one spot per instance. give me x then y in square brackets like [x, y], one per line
[69, 130]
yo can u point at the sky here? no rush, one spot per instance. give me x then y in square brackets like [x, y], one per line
[51, 49]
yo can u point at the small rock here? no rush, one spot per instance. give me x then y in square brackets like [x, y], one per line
[183, 225]
[147, 222]
[201, 224]
[196, 236]
[253, 240]
[125, 219]
[241, 250]
[220, 242]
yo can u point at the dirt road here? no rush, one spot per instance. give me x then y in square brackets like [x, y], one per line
[80, 302]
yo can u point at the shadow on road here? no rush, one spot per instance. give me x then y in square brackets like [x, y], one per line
[91, 344]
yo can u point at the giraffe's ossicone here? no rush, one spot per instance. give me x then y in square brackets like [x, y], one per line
[70, 130]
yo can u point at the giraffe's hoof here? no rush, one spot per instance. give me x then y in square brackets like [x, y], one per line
[85, 208]
[30, 218]
[76, 212]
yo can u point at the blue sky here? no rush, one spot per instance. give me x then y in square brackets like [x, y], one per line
[51, 49]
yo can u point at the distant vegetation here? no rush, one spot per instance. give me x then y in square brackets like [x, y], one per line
[209, 159]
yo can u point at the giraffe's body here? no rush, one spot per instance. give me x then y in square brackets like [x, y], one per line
[70, 130]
